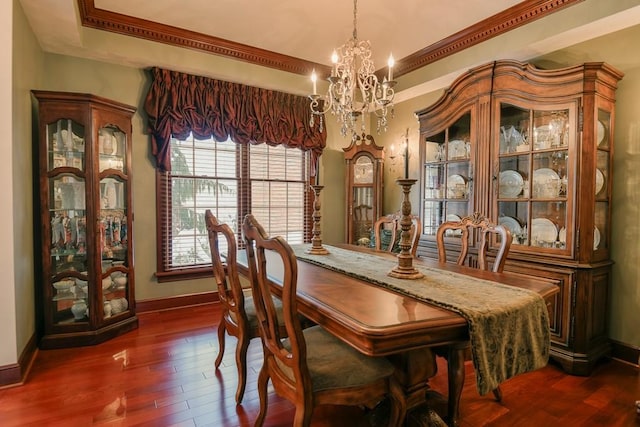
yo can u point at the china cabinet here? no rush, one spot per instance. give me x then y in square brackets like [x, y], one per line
[85, 280]
[365, 161]
[533, 150]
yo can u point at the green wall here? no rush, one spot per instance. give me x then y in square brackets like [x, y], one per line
[26, 65]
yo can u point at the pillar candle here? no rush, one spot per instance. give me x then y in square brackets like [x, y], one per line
[406, 160]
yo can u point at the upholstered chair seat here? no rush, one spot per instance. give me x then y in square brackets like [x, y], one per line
[331, 362]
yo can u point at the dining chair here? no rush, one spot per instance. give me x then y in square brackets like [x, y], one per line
[461, 229]
[239, 315]
[391, 223]
[479, 223]
[311, 367]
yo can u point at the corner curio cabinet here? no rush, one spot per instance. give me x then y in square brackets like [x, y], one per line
[532, 149]
[85, 280]
[365, 161]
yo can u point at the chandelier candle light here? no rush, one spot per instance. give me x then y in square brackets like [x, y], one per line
[354, 89]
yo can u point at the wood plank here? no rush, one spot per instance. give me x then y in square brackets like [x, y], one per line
[153, 376]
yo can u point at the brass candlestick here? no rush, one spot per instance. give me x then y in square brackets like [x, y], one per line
[316, 241]
[405, 268]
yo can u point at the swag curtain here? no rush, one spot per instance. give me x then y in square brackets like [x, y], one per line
[179, 103]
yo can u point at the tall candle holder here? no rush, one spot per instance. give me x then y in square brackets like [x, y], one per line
[316, 241]
[405, 268]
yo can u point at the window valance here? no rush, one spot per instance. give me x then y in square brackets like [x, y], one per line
[178, 104]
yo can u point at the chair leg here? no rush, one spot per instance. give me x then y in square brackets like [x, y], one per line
[497, 393]
[222, 329]
[263, 380]
[304, 412]
[241, 363]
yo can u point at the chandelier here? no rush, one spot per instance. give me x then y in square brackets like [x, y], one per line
[354, 89]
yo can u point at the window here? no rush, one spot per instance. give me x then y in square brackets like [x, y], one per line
[231, 180]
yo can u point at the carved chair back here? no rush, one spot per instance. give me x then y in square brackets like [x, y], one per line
[485, 230]
[391, 223]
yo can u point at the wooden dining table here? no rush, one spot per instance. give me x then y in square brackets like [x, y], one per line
[378, 321]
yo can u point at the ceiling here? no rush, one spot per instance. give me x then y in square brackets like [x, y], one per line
[288, 35]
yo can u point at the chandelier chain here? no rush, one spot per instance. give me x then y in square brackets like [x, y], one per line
[355, 19]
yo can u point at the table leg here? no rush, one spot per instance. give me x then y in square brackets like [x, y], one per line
[413, 370]
[455, 372]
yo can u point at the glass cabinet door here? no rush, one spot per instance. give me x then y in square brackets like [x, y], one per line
[602, 181]
[68, 222]
[533, 176]
[362, 199]
[112, 220]
[447, 175]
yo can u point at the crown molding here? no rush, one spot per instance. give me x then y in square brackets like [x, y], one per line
[509, 19]
[105, 20]
[516, 16]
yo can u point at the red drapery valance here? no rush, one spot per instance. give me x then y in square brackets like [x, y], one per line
[178, 104]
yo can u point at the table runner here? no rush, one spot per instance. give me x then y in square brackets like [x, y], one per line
[508, 326]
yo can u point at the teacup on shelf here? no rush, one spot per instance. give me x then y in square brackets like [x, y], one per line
[106, 283]
[64, 285]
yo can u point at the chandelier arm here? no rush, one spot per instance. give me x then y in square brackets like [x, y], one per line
[315, 104]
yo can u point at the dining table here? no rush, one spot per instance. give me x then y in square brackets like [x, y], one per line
[380, 320]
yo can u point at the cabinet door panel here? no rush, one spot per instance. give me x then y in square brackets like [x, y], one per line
[535, 160]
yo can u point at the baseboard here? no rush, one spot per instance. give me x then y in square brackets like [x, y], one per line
[16, 374]
[625, 352]
[175, 302]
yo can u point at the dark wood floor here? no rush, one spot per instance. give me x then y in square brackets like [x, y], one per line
[162, 375]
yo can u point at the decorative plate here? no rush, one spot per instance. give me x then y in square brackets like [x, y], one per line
[562, 235]
[546, 183]
[510, 223]
[511, 184]
[543, 230]
[456, 187]
[453, 233]
[599, 181]
[601, 133]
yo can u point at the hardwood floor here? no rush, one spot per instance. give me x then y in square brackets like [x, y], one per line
[162, 375]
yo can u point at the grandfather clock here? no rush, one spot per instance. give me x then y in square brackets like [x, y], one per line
[365, 161]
